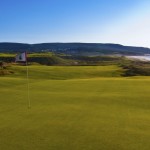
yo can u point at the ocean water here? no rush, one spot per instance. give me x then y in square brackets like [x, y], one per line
[144, 58]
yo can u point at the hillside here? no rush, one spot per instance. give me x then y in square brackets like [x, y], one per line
[74, 48]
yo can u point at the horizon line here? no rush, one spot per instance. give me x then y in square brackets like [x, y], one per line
[74, 43]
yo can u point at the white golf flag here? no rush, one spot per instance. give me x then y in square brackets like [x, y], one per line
[21, 57]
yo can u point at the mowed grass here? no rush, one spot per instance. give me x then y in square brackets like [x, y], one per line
[74, 108]
[68, 72]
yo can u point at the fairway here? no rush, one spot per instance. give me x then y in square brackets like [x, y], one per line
[74, 108]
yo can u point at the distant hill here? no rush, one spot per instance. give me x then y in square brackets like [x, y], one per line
[74, 48]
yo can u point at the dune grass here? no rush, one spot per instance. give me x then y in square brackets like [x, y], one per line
[74, 108]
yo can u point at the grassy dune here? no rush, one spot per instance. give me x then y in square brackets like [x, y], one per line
[74, 108]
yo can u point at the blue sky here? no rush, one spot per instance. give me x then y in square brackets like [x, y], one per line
[103, 21]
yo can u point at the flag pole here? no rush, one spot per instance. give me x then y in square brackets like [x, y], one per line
[28, 90]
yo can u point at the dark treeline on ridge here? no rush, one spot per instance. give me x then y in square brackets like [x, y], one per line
[74, 48]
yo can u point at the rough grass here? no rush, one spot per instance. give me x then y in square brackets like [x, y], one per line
[82, 112]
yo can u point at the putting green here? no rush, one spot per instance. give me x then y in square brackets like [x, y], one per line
[74, 108]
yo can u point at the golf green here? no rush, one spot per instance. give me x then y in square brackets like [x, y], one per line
[74, 108]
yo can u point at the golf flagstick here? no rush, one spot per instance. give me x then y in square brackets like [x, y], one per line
[28, 90]
[23, 58]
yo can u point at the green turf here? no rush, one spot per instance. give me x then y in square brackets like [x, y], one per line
[29, 55]
[74, 108]
[68, 72]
